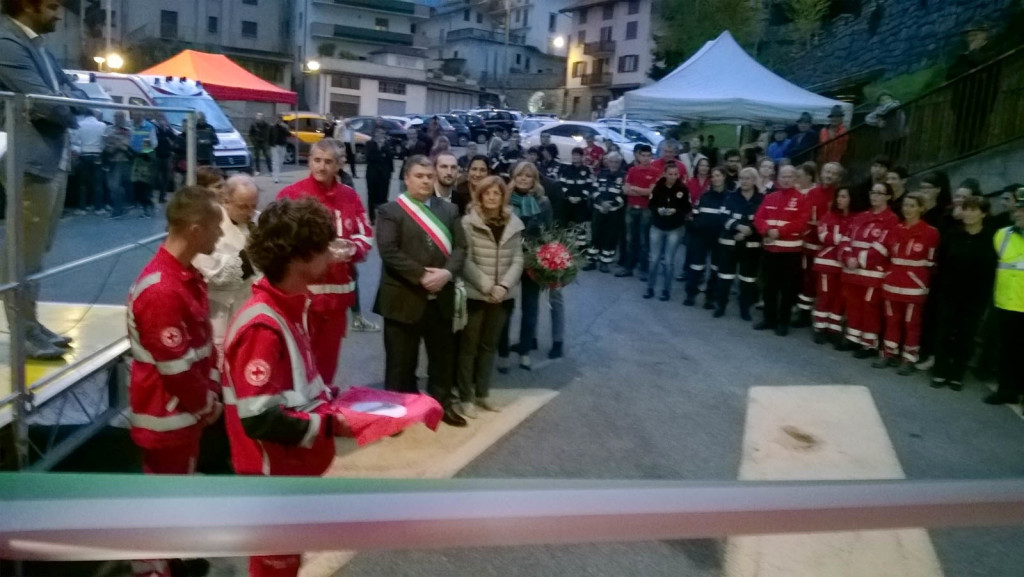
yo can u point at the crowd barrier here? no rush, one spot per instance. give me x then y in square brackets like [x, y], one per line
[17, 406]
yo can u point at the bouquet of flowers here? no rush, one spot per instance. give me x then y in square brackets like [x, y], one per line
[553, 260]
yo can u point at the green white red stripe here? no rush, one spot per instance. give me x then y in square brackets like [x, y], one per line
[434, 228]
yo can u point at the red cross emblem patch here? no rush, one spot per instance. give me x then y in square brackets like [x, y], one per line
[171, 337]
[257, 372]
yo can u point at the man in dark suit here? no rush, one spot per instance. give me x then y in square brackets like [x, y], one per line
[422, 248]
[26, 67]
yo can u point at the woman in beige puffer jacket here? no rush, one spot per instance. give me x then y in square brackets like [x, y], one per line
[494, 264]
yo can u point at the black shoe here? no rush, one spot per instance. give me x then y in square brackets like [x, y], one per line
[719, 312]
[906, 369]
[803, 320]
[556, 350]
[603, 267]
[956, 386]
[643, 276]
[40, 349]
[884, 363]
[649, 294]
[689, 302]
[938, 383]
[622, 272]
[708, 305]
[820, 337]
[453, 419]
[589, 266]
[764, 326]
[59, 341]
[863, 353]
[1000, 399]
[664, 296]
[745, 314]
[845, 345]
[782, 330]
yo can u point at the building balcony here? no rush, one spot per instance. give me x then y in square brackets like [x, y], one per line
[366, 35]
[392, 6]
[596, 79]
[488, 35]
[600, 48]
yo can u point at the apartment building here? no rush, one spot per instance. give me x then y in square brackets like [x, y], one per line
[468, 38]
[610, 52]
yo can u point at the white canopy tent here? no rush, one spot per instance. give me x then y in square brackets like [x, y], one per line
[723, 84]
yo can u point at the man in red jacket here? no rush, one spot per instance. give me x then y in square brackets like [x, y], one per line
[335, 294]
[276, 413]
[781, 220]
[174, 390]
[820, 198]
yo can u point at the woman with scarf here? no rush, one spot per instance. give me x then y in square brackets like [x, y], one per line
[494, 264]
[529, 203]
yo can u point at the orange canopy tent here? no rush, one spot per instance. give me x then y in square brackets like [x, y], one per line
[222, 78]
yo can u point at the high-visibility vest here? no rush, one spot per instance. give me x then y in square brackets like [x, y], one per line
[1009, 291]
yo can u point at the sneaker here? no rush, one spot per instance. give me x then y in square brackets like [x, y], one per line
[906, 369]
[483, 404]
[926, 364]
[956, 386]
[467, 410]
[361, 325]
[884, 363]
[524, 363]
[101, 212]
[938, 383]
[257, 173]
[79, 212]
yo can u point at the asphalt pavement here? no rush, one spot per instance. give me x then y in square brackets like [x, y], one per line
[648, 390]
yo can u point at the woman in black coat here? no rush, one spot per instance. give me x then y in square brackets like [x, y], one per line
[379, 167]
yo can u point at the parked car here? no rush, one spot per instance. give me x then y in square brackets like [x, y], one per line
[518, 117]
[454, 134]
[477, 128]
[501, 121]
[367, 125]
[463, 134]
[569, 135]
[531, 124]
[635, 131]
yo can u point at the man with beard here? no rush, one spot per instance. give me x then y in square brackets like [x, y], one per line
[446, 171]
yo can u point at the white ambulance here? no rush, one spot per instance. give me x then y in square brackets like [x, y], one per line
[232, 154]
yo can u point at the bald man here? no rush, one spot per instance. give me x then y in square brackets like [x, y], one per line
[229, 274]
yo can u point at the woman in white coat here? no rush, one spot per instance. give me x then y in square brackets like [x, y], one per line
[229, 274]
[494, 265]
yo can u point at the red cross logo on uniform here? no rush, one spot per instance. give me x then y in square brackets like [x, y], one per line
[257, 372]
[917, 247]
[171, 337]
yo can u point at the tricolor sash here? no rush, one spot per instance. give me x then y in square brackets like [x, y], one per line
[428, 221]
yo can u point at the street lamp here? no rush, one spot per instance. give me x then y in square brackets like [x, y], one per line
[99, 60]
[114, 61]
[313, 66]
[558, 42]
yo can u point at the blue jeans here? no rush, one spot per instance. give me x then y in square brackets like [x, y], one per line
[664, 245]
[529, 312]
[119, 183]
[638, 226]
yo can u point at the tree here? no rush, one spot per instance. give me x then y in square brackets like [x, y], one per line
[685, 25]
[807, 16]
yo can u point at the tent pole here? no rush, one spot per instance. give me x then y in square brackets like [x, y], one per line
[622, 126]
[739, 135]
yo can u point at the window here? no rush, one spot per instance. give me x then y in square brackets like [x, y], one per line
[466, 15]
[455, 54]
[552, 22]
[629, 63]
[345, 81]
[527, 63]
[631, 29]
[168, 24]
[250, 2]
[598, 103]
[606, 34]
[212, 25]
[634, 7]
[391, 87]
[575, 105]
[380, 24]
[579, 69]
[479, 18]
[583, 16]
[581, 37]
[412, 28]
[519, 58]
[248, 29]
[526, 16]
[519, 16]
[344, 105]
[609, 11]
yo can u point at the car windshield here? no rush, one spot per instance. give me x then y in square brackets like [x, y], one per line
[611, 135]
[214, 115]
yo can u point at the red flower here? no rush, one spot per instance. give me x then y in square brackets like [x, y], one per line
[554, 256]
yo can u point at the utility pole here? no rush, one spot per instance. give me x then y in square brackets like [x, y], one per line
[508, 24]
[108, 28]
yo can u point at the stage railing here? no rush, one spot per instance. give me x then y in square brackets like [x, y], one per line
[17, 109]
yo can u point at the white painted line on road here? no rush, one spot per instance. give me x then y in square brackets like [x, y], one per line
[818, 433]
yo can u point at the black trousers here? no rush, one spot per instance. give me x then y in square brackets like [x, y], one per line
[1010, 325]
[699, 249]
[351, 155]
[954, 342]
[377, 186]
[740, 262]
[401, 354]
[782, 273]
[605, 234]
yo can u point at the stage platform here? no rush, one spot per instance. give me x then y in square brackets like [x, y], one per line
[100, 338]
